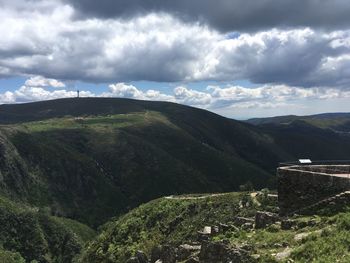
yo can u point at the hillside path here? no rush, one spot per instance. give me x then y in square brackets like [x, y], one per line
[193, 197]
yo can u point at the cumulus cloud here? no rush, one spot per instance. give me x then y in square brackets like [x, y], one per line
[215, 98]
[228, 15]
[123, 90]
[38, 88]
[39, 81]
[162, 47]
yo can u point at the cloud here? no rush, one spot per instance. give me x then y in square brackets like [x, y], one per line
[228, 15]
[38, 88]
[192, 97]
[123, 90]
[216, 97]
[39, 81]
[223, 99]
[293, 57]
[161, 47]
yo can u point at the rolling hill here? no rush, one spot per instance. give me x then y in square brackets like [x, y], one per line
[90, 159]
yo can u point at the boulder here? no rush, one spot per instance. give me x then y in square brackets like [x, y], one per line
[185, 251]
[133, 260]
[168, 254]
[239, 221]
[139, 257]
[287, 224]
[142, 258]
[247, 226]
[205, 234]
[264, 219]
[222, 252]
[156, 253]
[192, 260]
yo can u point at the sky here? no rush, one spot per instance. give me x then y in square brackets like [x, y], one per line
[238, 58]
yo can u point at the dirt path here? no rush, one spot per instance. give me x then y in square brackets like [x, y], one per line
[193, 197]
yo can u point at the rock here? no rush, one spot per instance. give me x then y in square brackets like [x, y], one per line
[239, 221]
[303, 224]
[264, 219]
[185, 251]
[223, 227]
[205, 234]
[207, 230]
[301, 236]
[192, 260]
[168, 254]
[142, 258]
[214, 230]
[222, 252]
[133, 260]
[287, 224]
[247, 226]
[284, 254]
[139, 257]
[156, 253]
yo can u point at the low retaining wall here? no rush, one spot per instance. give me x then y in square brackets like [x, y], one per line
[300, 186]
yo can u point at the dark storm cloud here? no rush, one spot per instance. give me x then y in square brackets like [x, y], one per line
[230, 15]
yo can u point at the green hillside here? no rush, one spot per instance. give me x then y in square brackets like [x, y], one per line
[174, 222]
[70, 165]
[92, 167]
[28, 233]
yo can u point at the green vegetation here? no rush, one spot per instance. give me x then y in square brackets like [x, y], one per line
[35, 235]
[69, 166]
[93, 167]
[339, 122]
[10, 257]
[160, 221]
[176, 221]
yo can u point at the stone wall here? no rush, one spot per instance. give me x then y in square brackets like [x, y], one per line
[301, 186]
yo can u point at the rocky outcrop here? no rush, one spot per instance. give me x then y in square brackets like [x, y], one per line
[222, 252]
[163, 254]
[139, 257]
[264, 219]
[186, 251]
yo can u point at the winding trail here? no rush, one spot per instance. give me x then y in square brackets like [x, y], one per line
[179, 197]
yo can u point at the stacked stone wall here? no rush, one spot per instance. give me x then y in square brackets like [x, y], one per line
[301, 186]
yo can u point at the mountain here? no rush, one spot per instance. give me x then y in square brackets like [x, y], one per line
[339, 122]
[90, 159]
[87, 160]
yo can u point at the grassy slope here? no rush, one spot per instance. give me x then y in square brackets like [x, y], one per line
[177, 221]
[31, 234]
[95, 167]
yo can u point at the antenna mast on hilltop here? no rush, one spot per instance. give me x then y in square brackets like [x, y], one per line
[78, 91]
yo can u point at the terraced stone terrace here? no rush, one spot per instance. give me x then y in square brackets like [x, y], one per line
[302, 185]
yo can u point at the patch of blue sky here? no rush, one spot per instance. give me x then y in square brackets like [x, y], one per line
[11, 84]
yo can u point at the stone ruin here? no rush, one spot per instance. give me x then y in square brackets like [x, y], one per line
[303, 185]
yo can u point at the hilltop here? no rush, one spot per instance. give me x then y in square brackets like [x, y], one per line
[88, 160]
[93, 166]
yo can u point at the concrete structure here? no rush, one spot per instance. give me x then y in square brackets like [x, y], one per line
[300, 186]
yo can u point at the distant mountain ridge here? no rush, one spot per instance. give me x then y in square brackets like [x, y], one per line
[339, 121]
